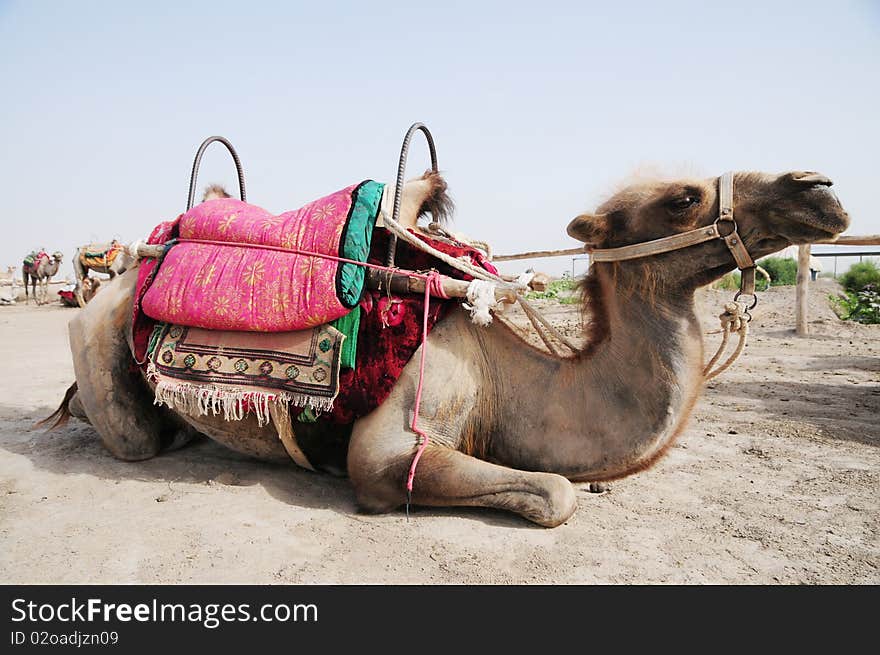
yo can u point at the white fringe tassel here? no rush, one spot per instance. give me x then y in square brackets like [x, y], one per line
[481, 296]
[232, 404]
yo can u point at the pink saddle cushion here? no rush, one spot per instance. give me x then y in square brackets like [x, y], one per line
[218, 277]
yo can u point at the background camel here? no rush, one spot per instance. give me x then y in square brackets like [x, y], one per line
[510, 427]
[115, 260]
[8, 279]
[42, 270]
[86, 286]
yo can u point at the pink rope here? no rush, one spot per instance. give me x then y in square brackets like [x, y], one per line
[433, 284]
[307, 253]
[433, 281]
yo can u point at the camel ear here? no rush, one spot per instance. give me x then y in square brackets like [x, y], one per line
[592, 229]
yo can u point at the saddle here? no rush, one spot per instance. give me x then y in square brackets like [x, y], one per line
[100, 255]
[235, 266]
[32, 261]
[246, 312]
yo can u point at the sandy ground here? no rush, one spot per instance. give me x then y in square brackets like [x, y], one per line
[775, 481]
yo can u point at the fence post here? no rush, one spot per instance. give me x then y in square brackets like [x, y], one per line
[803, 281]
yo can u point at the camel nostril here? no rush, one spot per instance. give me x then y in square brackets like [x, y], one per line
[811, 178]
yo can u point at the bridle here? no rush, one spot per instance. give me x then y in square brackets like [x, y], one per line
[735, 319]
[728, 233]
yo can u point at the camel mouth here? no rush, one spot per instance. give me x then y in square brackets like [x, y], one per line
[828, 218]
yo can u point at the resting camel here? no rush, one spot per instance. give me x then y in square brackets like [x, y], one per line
[40, 271]
[510, 427]
[8, 278]
[121, 261]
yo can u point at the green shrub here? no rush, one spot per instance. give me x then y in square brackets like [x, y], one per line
[731, 281]
[782, 270]
[860, 276]
[728, 283]
[860, 306]
[561, 290]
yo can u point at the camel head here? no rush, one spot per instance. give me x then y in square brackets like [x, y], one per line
[58, 256]
[771, 212]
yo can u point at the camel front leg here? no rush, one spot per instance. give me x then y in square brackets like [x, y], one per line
[449, 478]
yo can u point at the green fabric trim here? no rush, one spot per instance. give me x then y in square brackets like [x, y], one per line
[307, 416]
[349, 325]
[356, 244]
[155, 337]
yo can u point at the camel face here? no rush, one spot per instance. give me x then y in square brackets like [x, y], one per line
[797, 207]
[771, 212]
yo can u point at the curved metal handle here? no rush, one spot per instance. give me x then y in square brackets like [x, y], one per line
[198, 161]
[401, 169]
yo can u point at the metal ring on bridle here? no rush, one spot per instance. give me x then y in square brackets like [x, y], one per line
[731, 221]
[197, 163]
[401, 169]
[754, 299]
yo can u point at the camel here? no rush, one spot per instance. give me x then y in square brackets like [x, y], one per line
[8, 278]
[42, 270]
[121, 261]
[510, 427]
[87, 287]
[90, 286]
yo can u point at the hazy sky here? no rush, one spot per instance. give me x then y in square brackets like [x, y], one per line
[537, 108]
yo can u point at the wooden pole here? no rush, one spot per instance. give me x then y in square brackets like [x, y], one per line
[803, 281]
[402, 283]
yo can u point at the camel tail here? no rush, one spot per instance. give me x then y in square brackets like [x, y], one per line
[438, 203]
[61, 415]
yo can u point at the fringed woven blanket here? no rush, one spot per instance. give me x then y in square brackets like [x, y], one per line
[238, 267]
[200, 372]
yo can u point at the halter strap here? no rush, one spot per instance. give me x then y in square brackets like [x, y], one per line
[731, 238]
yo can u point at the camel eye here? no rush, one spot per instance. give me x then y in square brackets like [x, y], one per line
[685, 202]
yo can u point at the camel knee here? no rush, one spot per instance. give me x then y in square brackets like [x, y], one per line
[559, 501]
[378, 476]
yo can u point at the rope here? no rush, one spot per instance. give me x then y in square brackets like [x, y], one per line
[482, 274]
[432, 279]
[733, 320]
[530, 314]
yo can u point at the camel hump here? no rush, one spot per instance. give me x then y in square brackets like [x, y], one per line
[99, 249]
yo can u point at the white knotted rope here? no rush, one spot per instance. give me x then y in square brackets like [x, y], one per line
[480, 300]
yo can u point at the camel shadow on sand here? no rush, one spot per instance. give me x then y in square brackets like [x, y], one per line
[76, 449]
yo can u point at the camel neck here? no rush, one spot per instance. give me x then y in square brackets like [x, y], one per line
[616, 408]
